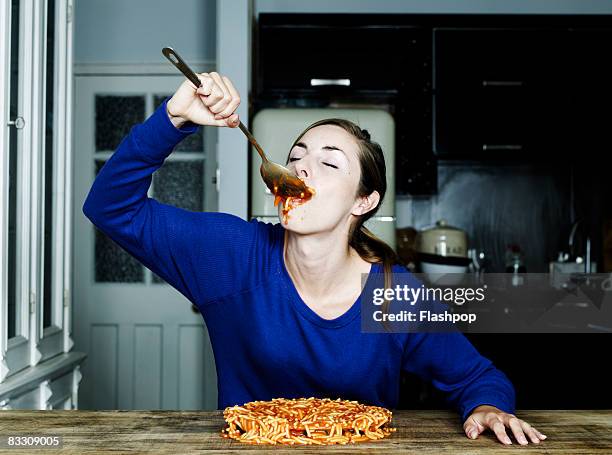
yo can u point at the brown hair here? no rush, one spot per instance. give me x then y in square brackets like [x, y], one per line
[373, 178]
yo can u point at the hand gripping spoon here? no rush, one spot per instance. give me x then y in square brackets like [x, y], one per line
[281, 181]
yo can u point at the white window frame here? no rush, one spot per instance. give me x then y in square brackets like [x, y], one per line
[33, 344]
[5, 48]
[56, 338]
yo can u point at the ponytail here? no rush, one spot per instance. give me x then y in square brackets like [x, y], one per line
[374, 250]
[371, 248]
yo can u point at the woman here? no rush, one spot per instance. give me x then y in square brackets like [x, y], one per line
[281, 302]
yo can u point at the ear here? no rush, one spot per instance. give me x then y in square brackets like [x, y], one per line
[366, 203]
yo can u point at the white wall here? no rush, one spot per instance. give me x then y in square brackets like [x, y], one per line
[436, 6]
[134, 31]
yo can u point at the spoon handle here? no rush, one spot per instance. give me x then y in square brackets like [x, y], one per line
[253, 141]
[177, 61]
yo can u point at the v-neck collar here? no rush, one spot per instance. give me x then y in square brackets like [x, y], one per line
[303, 308]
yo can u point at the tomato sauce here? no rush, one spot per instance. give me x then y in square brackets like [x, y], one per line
[290, 202]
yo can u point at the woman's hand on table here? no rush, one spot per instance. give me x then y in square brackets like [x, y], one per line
[489, 417]
[212, 104]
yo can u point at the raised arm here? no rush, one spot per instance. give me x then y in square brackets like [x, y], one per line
[182, 247]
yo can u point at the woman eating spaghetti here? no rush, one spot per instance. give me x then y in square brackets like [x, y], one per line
[282, 301]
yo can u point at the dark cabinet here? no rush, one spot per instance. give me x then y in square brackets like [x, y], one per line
[310, 59]
[500, 93]
[591, 94]
[316, 53]
[533, 94]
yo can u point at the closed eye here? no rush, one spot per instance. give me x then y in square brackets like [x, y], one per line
[291, 160]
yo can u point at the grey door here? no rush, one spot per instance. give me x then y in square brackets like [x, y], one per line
[146, 347]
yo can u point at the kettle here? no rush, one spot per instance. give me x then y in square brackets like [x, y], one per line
[443, 244]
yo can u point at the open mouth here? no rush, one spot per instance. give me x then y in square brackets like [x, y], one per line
[289, 203]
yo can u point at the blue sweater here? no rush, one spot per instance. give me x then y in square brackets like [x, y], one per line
[267, 342]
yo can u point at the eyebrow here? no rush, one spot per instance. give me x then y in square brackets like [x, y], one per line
[327, 147]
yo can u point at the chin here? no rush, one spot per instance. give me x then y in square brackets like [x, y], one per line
[305, 222]
[294, 219]
[299, 219]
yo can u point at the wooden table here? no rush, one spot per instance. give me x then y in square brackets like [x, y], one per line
[180, 432]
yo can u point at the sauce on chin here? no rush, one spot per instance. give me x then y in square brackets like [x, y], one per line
[290, 202]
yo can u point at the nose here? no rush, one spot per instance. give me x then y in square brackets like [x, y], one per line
[301, 169]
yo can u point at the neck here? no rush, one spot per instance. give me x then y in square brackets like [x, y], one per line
[318, 262]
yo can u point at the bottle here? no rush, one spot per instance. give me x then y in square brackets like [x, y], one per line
[515, 264]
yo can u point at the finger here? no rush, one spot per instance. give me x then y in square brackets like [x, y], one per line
[190, 84]
[230, 87]
[194, 87]
[471, 432]
[532, 435]
[232, 121]
[229, 109]
[207, 84]
[216, 94]
[235, 99]
[500, 431]
[219, 81]
[225, 100]
[517, 429]
[472, 428]
[531, 432]
[542, 436]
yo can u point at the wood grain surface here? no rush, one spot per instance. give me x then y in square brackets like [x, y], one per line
[191, 432]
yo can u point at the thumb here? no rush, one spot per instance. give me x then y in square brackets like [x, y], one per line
[232, 121]
[473, 427]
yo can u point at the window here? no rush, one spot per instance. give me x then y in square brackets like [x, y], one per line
[33, 218]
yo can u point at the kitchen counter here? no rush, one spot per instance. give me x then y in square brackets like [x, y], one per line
[190, 432]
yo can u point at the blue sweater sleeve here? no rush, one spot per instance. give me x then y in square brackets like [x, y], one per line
[452, 364]
[203, 255]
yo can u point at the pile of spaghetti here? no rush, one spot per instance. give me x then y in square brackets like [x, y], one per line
[306, 421]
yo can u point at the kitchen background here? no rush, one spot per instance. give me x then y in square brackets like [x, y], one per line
[499, 111]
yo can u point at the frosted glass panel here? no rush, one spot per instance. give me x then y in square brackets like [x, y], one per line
[181, 184]
[112, 263]
[115, 116]
[193, 142]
